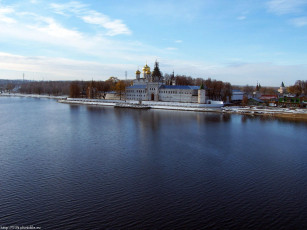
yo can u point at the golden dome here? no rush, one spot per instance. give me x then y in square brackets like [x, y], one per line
[146, 68]
[148, 71]
[138, 72]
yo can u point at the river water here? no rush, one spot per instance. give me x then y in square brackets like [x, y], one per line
[85, 167]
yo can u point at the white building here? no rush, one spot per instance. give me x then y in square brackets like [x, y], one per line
[282, 89]
[149, 88]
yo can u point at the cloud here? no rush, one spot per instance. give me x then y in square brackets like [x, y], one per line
[280, 7]
[4, 11]
[56, 68]
[29, 29]
[40, 31]
[268, 74]
[170, 10]
[56, 30]
[171, 48]
[70, 7]
[237, 73]
[38, 67]
[299, 22]
[82, 11]
[45, 30]
[114, 27]
[48, 35]
[241, 18]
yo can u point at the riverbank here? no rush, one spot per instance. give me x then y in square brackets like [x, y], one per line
[296, 114]
[147, 104]
[32, 95]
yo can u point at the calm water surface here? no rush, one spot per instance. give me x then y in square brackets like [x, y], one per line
[81, 167]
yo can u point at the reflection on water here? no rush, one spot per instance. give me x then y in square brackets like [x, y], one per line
[267, 118]
[89, 167]
[74, 107]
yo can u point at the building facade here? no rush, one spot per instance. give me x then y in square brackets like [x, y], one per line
[146, 87]
[237, 95]
[282, 89]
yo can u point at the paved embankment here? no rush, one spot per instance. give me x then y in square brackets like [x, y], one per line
[151, 104]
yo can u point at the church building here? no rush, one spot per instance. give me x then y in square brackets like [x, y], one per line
[149, 86]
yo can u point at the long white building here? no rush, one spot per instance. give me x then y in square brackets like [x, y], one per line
[149, 88]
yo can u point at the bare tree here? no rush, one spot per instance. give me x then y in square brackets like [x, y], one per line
[120, 88]
[300, 87]
[74, 90]
[248, 89]
[268, 91]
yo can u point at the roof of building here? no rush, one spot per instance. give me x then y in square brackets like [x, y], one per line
[263, 97]
[256, 99]
[136, 87]
[146, 68]
[179, 87]
[166, 87]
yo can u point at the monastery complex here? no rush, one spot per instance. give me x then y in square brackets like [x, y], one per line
[150, 87]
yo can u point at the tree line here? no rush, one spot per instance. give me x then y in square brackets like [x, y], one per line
[55, 88]
[215, 90]
[299, 88]
[261, 89]
[97, 89]
[8, 85]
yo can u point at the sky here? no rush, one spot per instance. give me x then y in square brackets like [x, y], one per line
[237, 41]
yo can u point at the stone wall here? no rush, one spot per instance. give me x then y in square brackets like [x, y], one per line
[112, 96]
[201, 96]
[171, 95]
